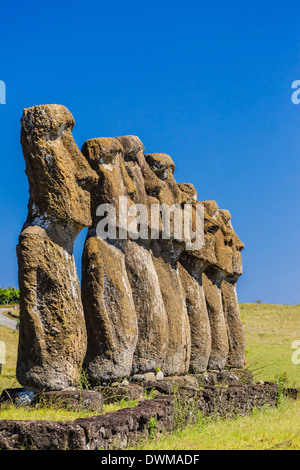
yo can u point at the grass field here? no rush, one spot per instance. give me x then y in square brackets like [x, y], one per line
[8, 376]
[270, 333]
[271, 428]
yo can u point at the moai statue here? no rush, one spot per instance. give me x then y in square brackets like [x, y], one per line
[165, 254]
[212, 278]
[153, 328]
[226, 327]
[52, 341]
[150, 300]
[235, 329]
[215, 329]
[174, 316]
[192, 265]
[111, 319]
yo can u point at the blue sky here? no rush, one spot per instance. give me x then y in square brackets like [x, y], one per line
[209, 83]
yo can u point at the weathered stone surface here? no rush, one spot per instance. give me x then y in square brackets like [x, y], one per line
[58, 174]
[149, 376]
[153, 328]
[233, 400]
[159, 375]
[111, 319]
[162, 317]
[124, 427]
[52, 340]
[161, 187]
[195, 328]
[109, 311]
[182, 381]
[79, 400]
[129, 392]
[244, 375]
[179, 347]
[235, 329]
[212, 281]
[41, 435]
[137, 378]
[217, 263]
[206, 379]
[162, 386]
[197, 314]
[224, 274]
[225, 377]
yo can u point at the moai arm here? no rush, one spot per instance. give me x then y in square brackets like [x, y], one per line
[52, 336]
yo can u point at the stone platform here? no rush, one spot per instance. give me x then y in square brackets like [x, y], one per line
[125, 427]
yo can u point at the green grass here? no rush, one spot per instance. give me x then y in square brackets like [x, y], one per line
[270, 428]
[8, 380]
[8, 375]
[7, 305]
[55, 413]
[270, 331]
[41, 413]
